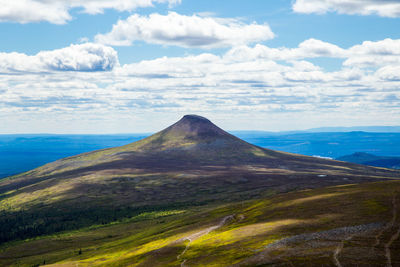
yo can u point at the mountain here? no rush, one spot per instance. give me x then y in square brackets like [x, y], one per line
[20, 153]
[372, 160]
[359, 157]
[151, 195]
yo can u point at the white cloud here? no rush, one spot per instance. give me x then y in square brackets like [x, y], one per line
[369, 54]
[372, 54]
[381, 48]
[310, 48]
[389, 73]
[81, 57]
[185, 31]
[318, 48]
[383, 8]
[57, 11]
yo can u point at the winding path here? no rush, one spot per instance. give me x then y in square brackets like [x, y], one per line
[390, 224]
[338, 250]
[394, 237]
[199, 234]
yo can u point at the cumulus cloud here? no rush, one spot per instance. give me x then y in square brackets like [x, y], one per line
[389, 73]
[185, 31]
[381, 48]
[57, 11]
[383, 8]
[372, 54]
[81, 57]
[310, 48]
[366, 55]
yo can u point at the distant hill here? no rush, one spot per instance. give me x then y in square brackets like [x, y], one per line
[372, 160]
[370, 129]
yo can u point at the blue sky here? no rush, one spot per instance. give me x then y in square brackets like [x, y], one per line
[102, 66]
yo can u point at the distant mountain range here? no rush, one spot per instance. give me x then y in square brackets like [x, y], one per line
[371, 129]
[372, 160]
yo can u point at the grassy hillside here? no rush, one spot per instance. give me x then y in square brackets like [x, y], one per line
[340, 225]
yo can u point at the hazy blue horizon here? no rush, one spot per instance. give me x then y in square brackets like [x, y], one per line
[375, 128]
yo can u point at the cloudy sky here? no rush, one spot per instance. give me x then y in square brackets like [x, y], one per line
[118, 66]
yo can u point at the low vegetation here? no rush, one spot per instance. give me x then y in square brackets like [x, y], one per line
[158, 238]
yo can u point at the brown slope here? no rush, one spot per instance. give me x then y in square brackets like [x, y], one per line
[194, 142]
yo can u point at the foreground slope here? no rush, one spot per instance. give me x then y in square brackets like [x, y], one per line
[191, 163]
[348, 225]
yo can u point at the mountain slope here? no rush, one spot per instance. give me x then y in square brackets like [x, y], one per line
[191, 163]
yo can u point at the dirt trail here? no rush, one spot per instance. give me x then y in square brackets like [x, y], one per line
[394, 237]
[390, 224]
[387, 247]
[338, 250]
[199, 234]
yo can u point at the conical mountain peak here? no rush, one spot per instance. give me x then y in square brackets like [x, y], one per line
[191, 126]
[191, 132]
[195, 118]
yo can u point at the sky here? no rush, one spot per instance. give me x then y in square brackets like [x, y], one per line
[131, 66]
